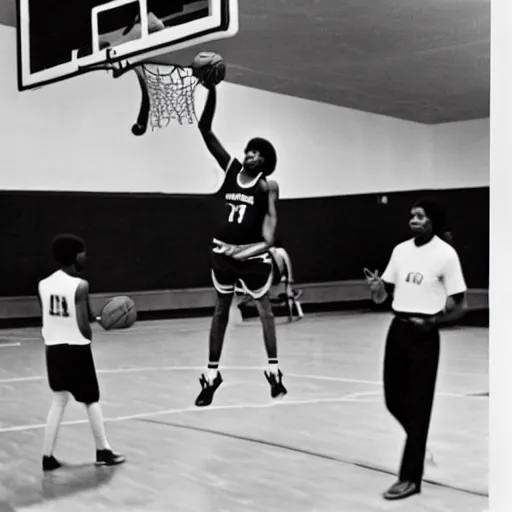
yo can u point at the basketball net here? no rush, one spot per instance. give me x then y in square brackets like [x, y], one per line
[171, 91]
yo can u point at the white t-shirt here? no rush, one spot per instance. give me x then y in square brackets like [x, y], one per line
[424, 276]
[60, 324]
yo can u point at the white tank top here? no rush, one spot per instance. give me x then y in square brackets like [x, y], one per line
[60, 324]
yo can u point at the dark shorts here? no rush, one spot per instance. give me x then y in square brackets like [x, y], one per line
[71, 368]
[254, 275]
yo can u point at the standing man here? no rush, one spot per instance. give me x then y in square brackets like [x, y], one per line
[425, 279]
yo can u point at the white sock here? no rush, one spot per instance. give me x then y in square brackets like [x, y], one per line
[98, 426]
[273, 368]
[53, 420]
[211, 374]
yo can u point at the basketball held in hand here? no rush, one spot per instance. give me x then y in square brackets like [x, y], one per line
[209, 68]
[118, 313]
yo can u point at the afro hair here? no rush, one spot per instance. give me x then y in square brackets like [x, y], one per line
[66, 247]
[267, 151]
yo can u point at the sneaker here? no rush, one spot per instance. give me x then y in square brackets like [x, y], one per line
[108, 458]
[206, 396]
[277, 388]
[50, 463]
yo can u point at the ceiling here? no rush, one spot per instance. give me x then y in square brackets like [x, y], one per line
[421, 60]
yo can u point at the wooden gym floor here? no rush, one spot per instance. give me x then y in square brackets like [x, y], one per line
[330, 445]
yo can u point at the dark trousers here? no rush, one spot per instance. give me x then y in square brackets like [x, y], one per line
[410, 371]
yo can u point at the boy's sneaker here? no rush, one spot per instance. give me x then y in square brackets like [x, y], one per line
[108, 458]
[50, 463]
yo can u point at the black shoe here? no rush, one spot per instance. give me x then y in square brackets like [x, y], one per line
[400, 490]
[50, 463]
[206, 396]
[277, 389]
[108, 458]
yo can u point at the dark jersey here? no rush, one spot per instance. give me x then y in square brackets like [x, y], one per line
[245, 208]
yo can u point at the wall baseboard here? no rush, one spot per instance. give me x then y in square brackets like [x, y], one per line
[203, 298]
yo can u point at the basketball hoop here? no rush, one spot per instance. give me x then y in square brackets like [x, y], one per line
[169, 90]
[167, 94]
[171, 94]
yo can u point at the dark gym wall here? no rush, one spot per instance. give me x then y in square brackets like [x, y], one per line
[152, 242]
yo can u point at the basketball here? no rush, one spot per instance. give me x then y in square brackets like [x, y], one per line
[209, 68]
[118, 313]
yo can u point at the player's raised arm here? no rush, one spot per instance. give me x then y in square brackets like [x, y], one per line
[82, 309]
[205, 127]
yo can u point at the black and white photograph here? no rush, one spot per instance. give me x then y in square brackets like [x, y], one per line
[255, 255]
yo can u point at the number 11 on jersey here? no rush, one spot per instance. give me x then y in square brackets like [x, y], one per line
[238, 211]
[58, 306]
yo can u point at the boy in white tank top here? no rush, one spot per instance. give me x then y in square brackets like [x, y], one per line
[66, 330]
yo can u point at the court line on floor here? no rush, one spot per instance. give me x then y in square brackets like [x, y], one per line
[234, 368]
[362, 394]
[143, 369]
[3, 345]
[306, 452]
[194, 409]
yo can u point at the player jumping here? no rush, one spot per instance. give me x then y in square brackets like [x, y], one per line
[240, 247]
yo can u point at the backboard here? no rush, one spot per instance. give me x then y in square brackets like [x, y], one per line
[58, 39]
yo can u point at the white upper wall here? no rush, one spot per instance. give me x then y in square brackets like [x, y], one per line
[75, 135]
[461, 153]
